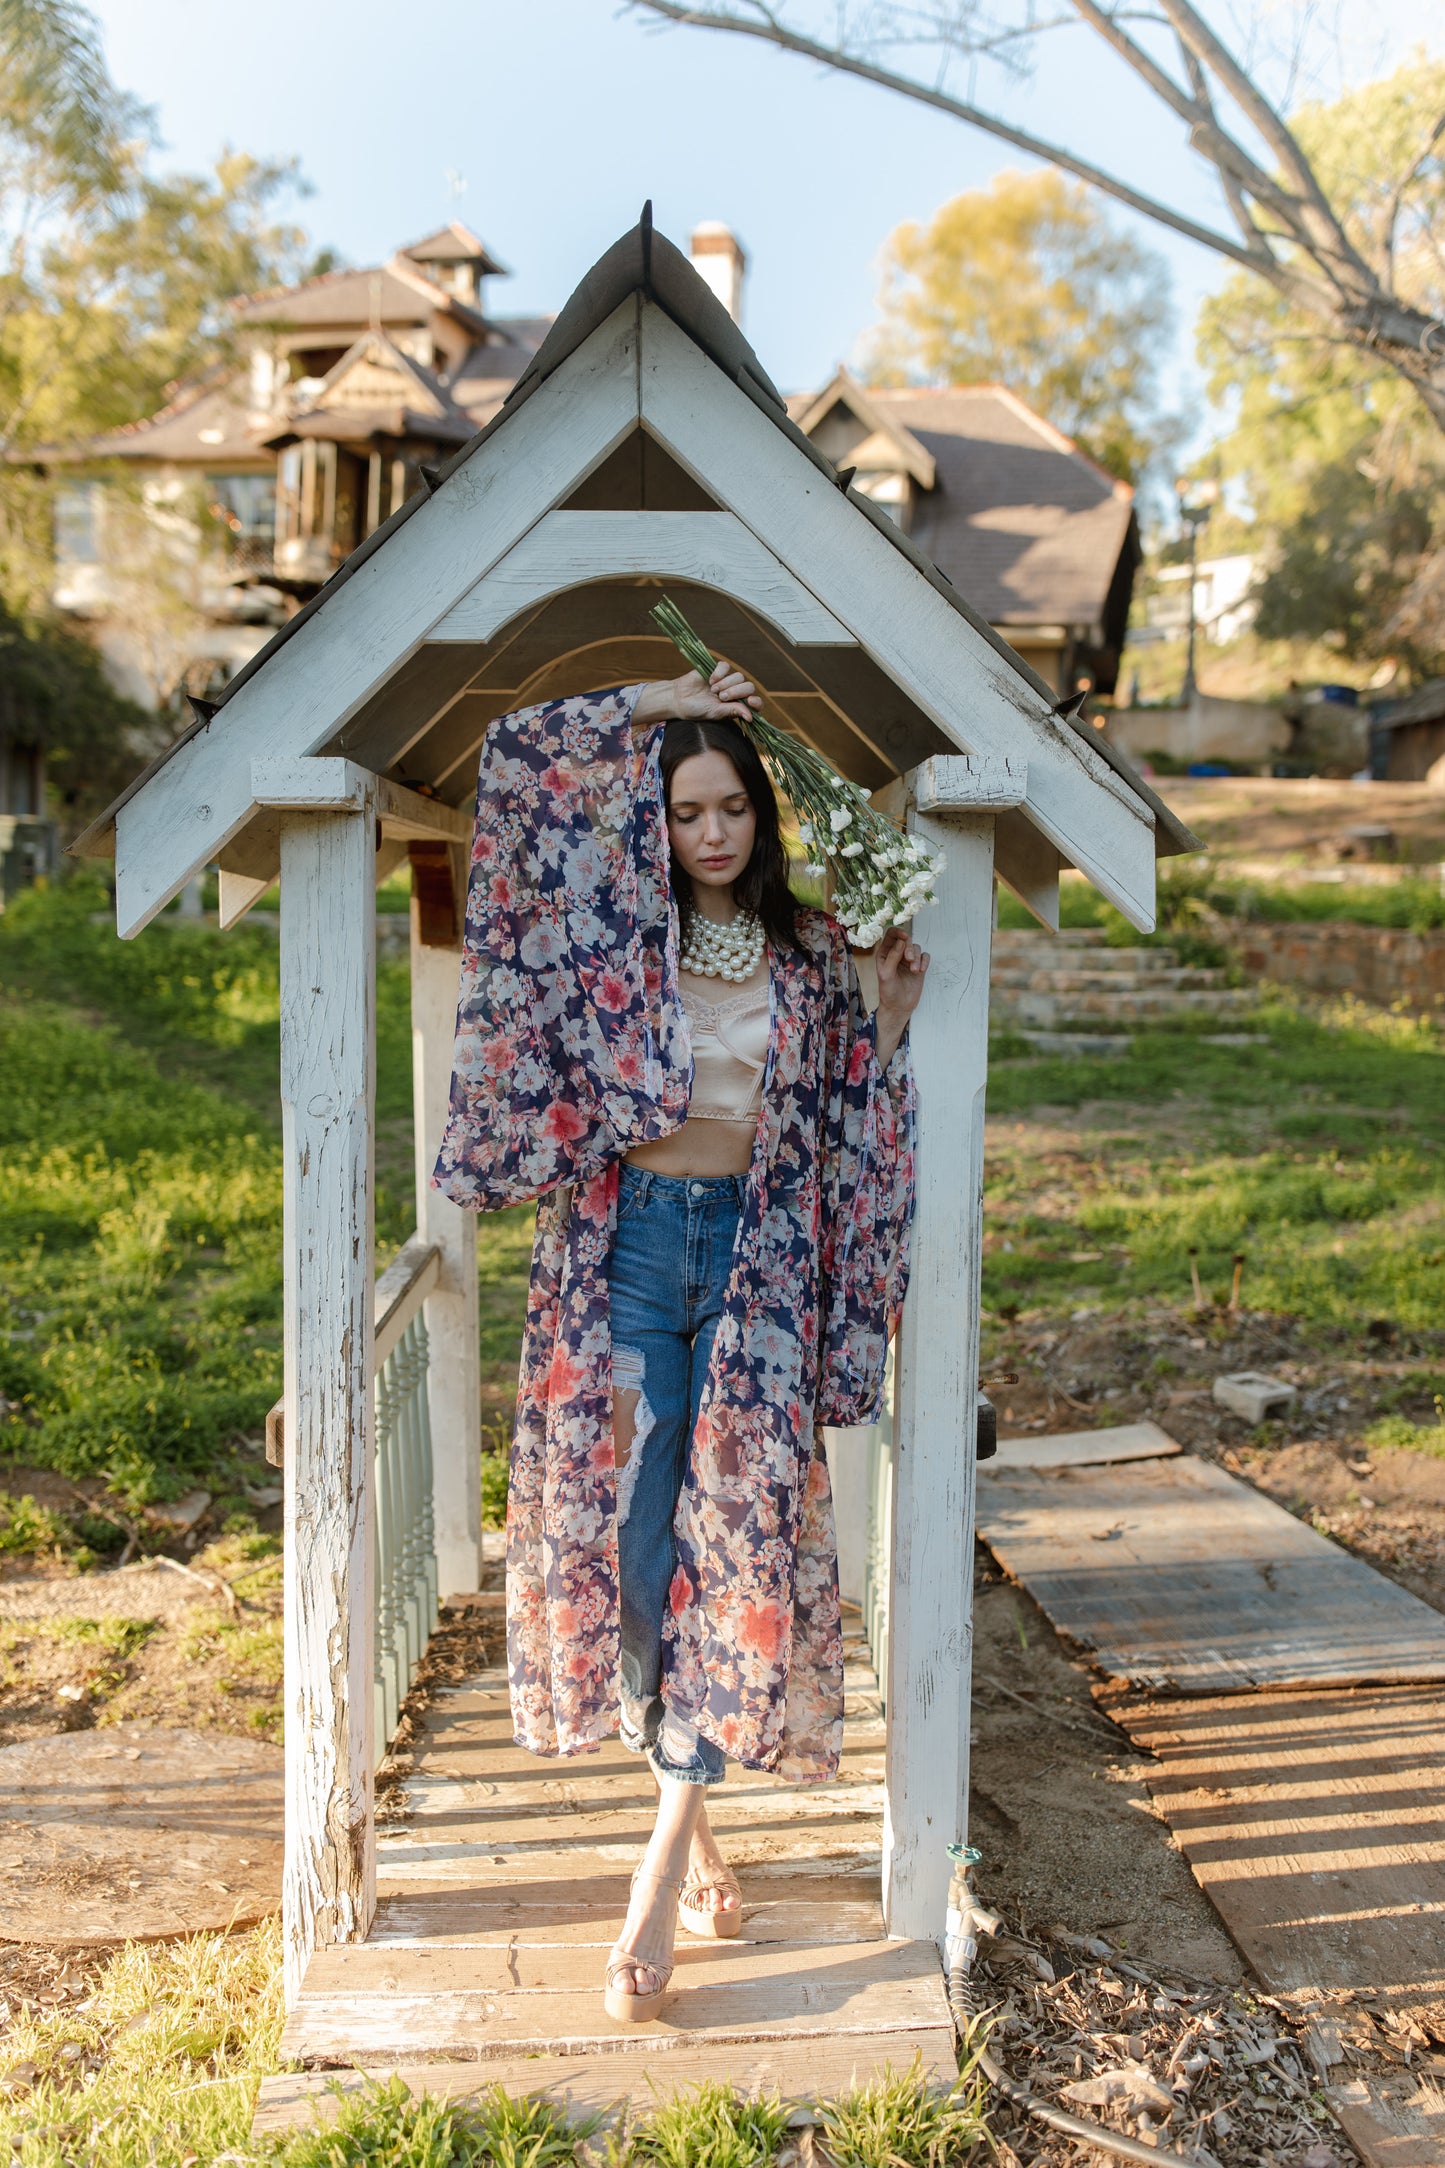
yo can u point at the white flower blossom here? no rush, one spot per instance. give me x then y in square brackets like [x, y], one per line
[839, 818]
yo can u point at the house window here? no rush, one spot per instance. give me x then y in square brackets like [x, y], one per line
[77, 523]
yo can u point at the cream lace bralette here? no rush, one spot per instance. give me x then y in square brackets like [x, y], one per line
[729, 1053]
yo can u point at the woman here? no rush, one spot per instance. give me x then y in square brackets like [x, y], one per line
[719, 1258]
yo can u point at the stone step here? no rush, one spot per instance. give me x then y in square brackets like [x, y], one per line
[1044, 952]
[1047, 1011]
[1083, 979]
[1077, 1044]
[1033, 937]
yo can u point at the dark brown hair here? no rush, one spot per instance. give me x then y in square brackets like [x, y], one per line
[762, 886]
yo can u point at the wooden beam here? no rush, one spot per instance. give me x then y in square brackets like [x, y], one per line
[454, 1389]
[375, 617]
[1028, 863]
[569, 549]
[328, 784]
[965, 783]
[401, 1291]
[948, 667]
[936, 1393]
[328, 1091]
[238, 891]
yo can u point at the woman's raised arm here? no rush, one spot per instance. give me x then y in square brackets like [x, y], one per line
[727, 692]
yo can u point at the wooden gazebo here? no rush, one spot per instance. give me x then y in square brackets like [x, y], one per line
[644, 447]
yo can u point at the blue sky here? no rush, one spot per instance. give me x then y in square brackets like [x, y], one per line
[563, 115]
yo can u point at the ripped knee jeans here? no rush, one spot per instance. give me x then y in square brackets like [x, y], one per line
[671, 1258]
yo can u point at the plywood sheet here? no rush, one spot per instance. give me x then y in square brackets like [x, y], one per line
[1080, 1448]
[1316, 1823]
[137, 1833]
[644, 2069]
[1170, 1574]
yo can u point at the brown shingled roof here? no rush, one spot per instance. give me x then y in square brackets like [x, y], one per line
[1022, 521]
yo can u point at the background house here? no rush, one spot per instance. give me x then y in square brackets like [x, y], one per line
[252, 487]
[1042, 541]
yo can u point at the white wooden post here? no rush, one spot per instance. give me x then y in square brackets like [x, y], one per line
[454, 1367]
[328, 1088]
[936, 1392]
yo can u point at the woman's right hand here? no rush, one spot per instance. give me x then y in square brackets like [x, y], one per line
[726, 693]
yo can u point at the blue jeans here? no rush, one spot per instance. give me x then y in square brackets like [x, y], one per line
[671, 1258]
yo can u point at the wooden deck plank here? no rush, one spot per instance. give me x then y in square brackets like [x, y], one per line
[1081, 1448]
[748, 1965]
[838, 1910]
[1314, 1822]
[595, 2084]
[1174, 1576]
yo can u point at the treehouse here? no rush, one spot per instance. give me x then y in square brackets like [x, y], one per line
[644, 449]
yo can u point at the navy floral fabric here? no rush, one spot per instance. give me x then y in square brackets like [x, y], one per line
[572, 1048]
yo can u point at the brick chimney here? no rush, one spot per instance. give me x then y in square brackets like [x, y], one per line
[717, 256]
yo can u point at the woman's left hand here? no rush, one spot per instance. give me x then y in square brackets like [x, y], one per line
[901, 965]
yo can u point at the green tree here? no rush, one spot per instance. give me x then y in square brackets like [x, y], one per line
[1026, 283]
[54, 692]
[1341, 467]
[114, 285]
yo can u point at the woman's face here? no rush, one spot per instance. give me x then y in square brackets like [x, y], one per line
[710, 819]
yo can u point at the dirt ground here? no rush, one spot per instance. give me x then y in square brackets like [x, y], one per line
[1306, 819]
[189, 1642]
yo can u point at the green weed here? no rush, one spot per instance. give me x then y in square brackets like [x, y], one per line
[1395, 1431]
[903, 2121]
[713, 2127]
[385, 2126]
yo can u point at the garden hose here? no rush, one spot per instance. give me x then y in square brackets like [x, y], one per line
[966, 1918]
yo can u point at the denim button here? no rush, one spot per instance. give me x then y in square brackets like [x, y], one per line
[696, 1189]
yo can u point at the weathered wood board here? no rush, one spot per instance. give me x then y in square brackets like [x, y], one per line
[595, 2084]
[1314, 1822]
[1172, 1575]
[501, 1893]
[1080, 1448]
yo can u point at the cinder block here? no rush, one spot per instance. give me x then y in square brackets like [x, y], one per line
[1254, 1396]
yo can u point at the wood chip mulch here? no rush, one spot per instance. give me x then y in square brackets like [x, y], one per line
[1231, 2076]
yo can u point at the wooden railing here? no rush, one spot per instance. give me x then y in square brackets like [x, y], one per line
[405, 1539]
[402, 1516]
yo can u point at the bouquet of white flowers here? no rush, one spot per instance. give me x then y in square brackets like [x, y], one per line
[880, 876]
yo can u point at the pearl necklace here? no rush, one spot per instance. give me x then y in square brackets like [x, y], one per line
[716, 951]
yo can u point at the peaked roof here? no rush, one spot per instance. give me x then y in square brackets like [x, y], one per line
[404, 399]
[890, 444]
[645, 262]
[455, 243]
[398, 292]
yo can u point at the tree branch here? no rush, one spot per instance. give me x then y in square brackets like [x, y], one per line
[1194, 32]
[771, 31]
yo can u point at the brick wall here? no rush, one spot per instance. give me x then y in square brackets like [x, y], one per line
[1379, 964]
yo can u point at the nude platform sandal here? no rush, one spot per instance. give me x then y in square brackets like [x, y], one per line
[634, 2009]
[701, 1919]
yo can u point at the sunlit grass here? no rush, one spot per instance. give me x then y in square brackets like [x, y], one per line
[158, 2067]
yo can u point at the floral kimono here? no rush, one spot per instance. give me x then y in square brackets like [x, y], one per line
[571, 1049]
